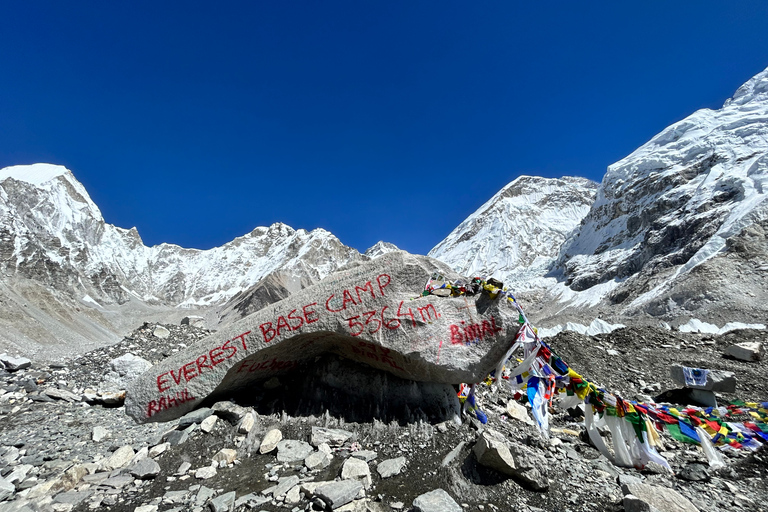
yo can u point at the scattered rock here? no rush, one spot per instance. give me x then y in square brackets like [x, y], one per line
[515, 460]
[194, 417]
[145, 469]
[435, 501]
[161, 332]
[13, 364]
[226, 455]
[208, 423]
[99, 433]
[205, 473]
[518, 412]
[270, 441]
[194, 321]
[655, 498]
[337, 494]
[223, 503]
[748, 351]
[714, 380]
[390, 467]
[356, 469]
[330, 436]
[229, 411]
[293, 451]
[119, 458]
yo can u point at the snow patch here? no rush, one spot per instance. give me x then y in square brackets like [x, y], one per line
[696, 325]
[35, 174]
[88, 298]
[597, 326]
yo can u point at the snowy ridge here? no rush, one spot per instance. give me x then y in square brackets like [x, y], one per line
[53, 232]
[676, 200]
[380, 249]
[515, 236]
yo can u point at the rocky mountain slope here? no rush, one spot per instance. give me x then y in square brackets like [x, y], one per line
[678, 229]
[61, 450]
[694, 194]
[516, 235]
[66, 271]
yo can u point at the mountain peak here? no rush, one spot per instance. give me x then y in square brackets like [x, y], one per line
[34, 174]
[756, 88]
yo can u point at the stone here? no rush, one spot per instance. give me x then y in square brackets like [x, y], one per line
[183, 468]
[203, 495]
[69, 479]
[62, 394]
[325, 317]
[111, 397]
[366, 455]
[158, 449]
[293, 496]
[293, 451]
[7, 489]
[435, 501]
[226, 455]
[644, 497]
[229, 411]
[145, 469]
[119, 458]
[99, 433]
[356, 469]
[318, 460]
[518, 412]
[208, 423]
[453, 454]
[270, 441]
[146, 508]
[161, 332]
[193, 321]
[390, 467]
[338, 494]
[176, 437]
[330, 436]
[205, 473]
[716, 380]
[124, 369]
[223, 503]
[493, 451]
[117, 482]
[247, 423]
[695, 473]
[194, 417]
[748, 351]
[284, 485]
[13, 364]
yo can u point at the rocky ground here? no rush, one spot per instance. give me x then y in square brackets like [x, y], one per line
[66, 444]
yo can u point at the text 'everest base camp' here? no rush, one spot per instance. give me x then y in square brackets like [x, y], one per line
[373, 314]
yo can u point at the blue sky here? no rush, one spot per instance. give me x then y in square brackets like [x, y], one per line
[198, 121]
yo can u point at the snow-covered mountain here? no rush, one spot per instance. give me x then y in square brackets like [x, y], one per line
[516, 235]
[681, 222]
[53, 236]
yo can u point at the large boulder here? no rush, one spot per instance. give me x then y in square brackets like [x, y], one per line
[373, 314]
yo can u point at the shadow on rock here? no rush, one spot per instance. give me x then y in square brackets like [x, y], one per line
[350, 391]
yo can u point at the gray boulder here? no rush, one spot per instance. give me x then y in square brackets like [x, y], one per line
[748, 351]
[290, 450]
[366, 314]
[122, 370]
[338, 494]
[145, 469]
[223, 503]
[13, 364]
[493, 451]
[435, 501]
[715, 380]
[650, 498]
[390, 467]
